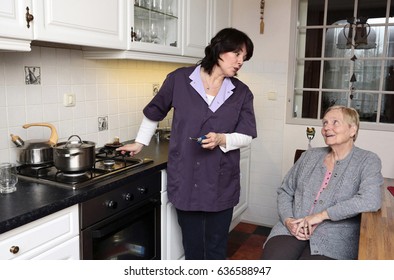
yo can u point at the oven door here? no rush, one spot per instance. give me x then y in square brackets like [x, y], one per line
[133, 234]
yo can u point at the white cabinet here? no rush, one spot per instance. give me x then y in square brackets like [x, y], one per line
[94, 23]
[202, 20]
[14, 32]
[196, 27]
[154, 26]
[171, 236]
[220, 15]
[89, 23]
[55, 236]
[243, 199]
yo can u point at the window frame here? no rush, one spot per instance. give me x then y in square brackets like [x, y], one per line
[292, 71]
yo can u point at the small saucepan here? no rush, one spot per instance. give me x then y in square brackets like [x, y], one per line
[74, 155]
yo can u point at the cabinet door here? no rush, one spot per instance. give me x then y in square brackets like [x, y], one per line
[174, 235]
[14, 25]
[221, 15]
[243, 199]
[68, 250]
[95, 23]
[37, 237]
[196, 31]
[172, 248]
[155, 26]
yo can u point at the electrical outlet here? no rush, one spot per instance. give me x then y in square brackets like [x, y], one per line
[103, 123]
[155, 88]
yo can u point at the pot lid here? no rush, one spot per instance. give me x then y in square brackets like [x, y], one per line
[75, 144]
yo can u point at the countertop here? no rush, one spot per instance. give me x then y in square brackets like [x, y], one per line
[33, 201]
[377, 229]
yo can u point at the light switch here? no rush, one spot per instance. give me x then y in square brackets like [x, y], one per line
[69, 100]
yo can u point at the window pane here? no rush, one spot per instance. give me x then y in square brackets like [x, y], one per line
[339, 10]
[372, 9]
[308, 73]
[367, 74]
[310, 103]
[313, 42]
[332, 98]
[366, 104]
[392, 9]
[311, 12]
[336, 74]
[387, 115]
[389, 76]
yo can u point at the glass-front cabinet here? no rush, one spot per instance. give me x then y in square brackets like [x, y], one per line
[154, 26]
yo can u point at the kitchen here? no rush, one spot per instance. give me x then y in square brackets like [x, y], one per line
[119, 88]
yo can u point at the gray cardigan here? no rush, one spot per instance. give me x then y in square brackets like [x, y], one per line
[354, 187]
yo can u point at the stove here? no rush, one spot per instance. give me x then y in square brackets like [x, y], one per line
[108, 163]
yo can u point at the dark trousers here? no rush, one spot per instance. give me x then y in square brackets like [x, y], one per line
[287, 247]
[205, 234]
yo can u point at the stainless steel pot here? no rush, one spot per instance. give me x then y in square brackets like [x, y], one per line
[74, 155]
[36, 152]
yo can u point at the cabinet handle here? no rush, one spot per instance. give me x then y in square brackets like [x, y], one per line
[133, 34]
[29, 17]
[14, 249]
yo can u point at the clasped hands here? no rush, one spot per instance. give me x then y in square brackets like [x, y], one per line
[303, 228]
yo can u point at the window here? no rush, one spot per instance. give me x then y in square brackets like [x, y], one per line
[344, 55]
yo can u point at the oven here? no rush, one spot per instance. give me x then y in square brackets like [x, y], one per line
[123, 224]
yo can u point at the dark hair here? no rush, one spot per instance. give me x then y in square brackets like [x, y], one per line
[226, 40]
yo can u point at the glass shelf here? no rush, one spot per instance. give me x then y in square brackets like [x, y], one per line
[156, 22]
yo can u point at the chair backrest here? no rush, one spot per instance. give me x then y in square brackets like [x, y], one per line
[297, 154]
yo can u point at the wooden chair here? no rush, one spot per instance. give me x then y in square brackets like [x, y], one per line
[297, 154]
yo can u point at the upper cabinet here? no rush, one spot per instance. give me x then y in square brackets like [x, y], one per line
[196, 27]
[92, 23]
[154, 26]
[220, 15]
[15, 32]
[202, 20]
[158, 30]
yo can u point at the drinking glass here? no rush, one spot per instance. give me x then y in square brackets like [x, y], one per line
[8, 177]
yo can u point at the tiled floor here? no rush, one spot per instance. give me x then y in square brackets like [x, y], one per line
[246, 241]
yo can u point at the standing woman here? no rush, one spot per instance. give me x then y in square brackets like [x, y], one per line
[204, 179]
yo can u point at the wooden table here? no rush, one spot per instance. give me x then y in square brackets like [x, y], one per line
[377, 230]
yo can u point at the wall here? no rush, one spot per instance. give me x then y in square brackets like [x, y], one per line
[273, 150]
[118, 89]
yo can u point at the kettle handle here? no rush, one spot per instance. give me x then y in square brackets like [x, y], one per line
[54, 136]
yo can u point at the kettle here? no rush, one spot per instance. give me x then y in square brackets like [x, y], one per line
[36, 152]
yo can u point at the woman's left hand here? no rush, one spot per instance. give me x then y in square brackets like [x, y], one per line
[213, 140]
[308, 224]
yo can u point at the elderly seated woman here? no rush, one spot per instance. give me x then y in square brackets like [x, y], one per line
[323, 194]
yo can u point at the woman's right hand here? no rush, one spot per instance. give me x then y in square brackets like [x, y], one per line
[297, 229]
[133, 148]
[291, 225]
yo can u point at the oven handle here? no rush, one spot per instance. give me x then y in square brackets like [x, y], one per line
[122, 222]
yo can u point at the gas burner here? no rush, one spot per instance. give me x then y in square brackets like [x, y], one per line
[109, 163]
[38, 171]
[74, 177]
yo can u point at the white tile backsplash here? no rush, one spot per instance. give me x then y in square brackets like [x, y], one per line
[117, 89]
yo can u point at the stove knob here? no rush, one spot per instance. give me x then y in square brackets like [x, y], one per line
[128, 196]
[142, 190]
[112, 204]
